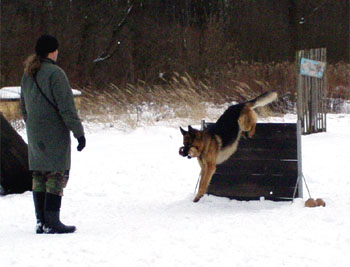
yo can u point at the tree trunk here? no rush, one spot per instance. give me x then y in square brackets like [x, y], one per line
[15, 176]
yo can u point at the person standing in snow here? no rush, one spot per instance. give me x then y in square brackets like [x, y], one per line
[50, 114]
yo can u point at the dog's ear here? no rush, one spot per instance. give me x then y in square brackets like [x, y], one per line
[183, 131]
[193, 132]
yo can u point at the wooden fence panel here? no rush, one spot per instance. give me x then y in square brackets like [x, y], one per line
[264, 166]
[312, 94]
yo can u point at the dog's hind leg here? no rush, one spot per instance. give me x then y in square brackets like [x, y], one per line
[208, 171]
[252, 130]
[247, 121]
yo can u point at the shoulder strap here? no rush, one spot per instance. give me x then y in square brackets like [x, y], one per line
[42, 93]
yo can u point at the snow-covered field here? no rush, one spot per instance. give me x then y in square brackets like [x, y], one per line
[130, 196]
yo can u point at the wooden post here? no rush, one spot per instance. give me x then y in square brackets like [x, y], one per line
[15, 176]
[300, 159]
[300, 92]
[312, 93]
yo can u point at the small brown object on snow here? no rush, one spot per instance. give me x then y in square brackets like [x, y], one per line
[310, 203]
[320, 202]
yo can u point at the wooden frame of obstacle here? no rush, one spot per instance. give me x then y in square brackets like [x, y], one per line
[267, 166]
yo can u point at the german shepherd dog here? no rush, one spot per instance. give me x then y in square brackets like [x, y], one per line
[216, 144]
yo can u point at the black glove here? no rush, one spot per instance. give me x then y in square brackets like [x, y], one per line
[82, 143]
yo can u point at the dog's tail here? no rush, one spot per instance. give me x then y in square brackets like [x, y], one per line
[262, 100]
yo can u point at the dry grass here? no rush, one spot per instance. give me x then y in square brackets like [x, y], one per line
[179, 98]
[10, 109]
[339, 81]
[182, 97]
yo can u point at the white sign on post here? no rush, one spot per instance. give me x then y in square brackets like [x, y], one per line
[312, 68]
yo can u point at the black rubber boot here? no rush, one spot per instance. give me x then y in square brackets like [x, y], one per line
[39, 204]
[53, 224]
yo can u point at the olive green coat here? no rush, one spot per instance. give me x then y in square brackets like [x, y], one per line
[48, 131]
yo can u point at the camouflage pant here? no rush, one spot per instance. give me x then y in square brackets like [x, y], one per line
[50, 182]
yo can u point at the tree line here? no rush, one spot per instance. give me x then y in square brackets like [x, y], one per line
[125, 41]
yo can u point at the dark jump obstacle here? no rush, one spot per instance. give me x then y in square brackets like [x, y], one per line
[15, 176]
[268, 165]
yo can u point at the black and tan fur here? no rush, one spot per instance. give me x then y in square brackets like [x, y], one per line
[214, 145]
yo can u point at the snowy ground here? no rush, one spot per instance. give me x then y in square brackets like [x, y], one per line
[130, 196]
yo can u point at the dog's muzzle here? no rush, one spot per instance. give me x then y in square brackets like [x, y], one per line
[184, 151]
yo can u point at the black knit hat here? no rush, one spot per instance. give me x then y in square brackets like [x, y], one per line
[45, 45]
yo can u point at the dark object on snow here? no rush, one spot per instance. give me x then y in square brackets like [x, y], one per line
[266, 166]
[15, 176]
[53, 224]
[39, 204]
